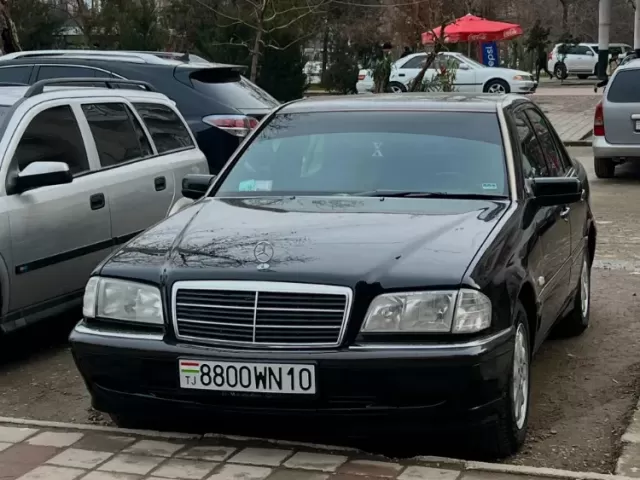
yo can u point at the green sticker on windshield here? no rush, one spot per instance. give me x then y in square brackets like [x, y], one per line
[247, 186]
[489, 186]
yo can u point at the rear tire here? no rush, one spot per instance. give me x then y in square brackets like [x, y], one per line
[507, 433]
[397, 87]
[604, 167]
[560, 71]
[577, 320]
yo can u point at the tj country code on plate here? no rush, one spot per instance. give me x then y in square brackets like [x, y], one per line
[247, 377]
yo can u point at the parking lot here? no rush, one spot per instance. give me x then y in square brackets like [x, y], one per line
[584, 389]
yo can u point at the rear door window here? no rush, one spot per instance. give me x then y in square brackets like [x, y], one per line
[624, 87]
[167, 130]
[229, 88]
[15, 74]
[118, 135]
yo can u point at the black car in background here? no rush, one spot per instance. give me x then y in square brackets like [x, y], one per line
[219, 104]
[383, 263]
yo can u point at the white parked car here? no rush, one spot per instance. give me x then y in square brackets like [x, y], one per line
[471, 76]
[581, 59]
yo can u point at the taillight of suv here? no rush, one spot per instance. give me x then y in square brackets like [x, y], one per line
[598, 121]
[238, 125]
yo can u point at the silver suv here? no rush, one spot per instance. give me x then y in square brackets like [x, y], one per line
[83, 170]
[616, 126]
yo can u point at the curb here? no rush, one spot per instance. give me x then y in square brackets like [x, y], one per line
[629, 460]
[434, 462]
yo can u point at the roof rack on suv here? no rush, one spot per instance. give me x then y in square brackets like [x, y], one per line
[38, 87]
[13, 84]
[138, 57]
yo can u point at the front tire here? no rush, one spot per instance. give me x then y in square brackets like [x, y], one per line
[507, 433]
[604, 167]
[577, 321]
[497, 86]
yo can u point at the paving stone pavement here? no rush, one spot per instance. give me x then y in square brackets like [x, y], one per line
[571, 115]
[629, 461]
[37, 453]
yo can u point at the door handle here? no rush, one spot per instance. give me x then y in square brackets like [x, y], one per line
[401, 74]
[160, 183]
[564, 213]
[97, 201]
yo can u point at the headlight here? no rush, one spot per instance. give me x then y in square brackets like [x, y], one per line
[122, 300]
[463, 311]
[519, 77]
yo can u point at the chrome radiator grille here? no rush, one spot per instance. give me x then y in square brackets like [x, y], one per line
[260, 314]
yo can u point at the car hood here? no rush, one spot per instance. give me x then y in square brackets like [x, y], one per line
[394, 242]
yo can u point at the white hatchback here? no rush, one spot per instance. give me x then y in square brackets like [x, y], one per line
[471, 76]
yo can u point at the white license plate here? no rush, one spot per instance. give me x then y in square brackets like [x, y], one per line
[247, 377]
[637, 125]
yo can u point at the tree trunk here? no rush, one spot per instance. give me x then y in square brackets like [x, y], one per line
[8, 32]
[255, 55]
[325, 50]
[565, 16]
[415, 85]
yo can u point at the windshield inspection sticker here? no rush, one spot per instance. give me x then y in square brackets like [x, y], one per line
[489, 186]
[376, 149]
[255, 186]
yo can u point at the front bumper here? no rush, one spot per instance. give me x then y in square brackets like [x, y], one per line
[523, 86]
[442, 385]
[603, 149]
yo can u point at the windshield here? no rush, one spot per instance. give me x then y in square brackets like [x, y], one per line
[332, 153]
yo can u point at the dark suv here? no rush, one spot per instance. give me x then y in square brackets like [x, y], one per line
[219, 104]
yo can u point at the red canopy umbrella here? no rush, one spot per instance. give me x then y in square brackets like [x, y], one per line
[474, 29]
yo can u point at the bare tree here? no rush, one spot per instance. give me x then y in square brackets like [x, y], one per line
[8, 31]
[265, 18]
[438, 46]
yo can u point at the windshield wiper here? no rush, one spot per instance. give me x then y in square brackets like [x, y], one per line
[417, 194]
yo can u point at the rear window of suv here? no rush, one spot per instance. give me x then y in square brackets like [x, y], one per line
[230, 88]
[623, 88]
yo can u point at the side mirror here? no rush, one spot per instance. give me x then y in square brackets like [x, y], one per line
[590, 53]
[42, 174]
[463, 66]
[551, 191]
[195, 185]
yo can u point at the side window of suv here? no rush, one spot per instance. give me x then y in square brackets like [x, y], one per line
[165, 126]
[62, 71]
[15, 74]
[558, 164]
[118, 135]
[53, 136]
[533, 162]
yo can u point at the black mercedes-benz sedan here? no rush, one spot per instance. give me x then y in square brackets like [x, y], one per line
[393, 261]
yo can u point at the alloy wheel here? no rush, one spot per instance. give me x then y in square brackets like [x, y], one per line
[584, 288]
[497, 88]
[520, 377]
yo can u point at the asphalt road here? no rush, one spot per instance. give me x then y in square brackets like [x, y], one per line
[584, 389]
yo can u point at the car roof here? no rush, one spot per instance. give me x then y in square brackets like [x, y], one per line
[11, 95]
[454, 102]
[156, 58]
